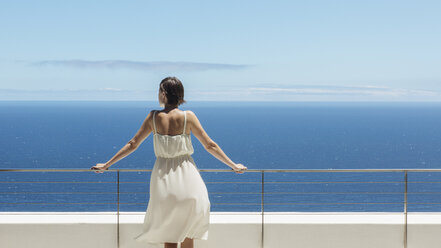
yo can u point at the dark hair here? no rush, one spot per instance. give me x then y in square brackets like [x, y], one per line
[174, 90]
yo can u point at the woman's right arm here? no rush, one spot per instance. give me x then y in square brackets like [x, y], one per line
[209, 145]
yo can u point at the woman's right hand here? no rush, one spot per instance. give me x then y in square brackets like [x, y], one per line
[239, 168]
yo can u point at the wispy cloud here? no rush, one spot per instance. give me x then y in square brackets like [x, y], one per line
[366, 90]
[139, 65]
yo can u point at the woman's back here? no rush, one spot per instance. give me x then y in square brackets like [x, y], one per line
[171, 145]
[172, 122]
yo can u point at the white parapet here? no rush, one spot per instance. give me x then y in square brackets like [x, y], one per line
[227, 230]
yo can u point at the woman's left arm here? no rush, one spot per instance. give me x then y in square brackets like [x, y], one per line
[143, 132]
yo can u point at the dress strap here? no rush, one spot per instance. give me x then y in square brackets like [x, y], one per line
[185, 121]
[154, 124]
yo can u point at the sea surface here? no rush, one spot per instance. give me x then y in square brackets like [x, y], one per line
[260, 135]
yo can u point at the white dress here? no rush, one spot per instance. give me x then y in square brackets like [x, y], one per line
[178, 205]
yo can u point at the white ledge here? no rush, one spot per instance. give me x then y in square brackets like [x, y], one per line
[230, 217]
[227, 229]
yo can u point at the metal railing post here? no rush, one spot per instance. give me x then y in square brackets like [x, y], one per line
[117, 195]
[262, 207]
[405, 208]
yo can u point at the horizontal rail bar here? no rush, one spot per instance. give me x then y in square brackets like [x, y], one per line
[230, 170]
[211, 192]
[146, 182]
[224, 203]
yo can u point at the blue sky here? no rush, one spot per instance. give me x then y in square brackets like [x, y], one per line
[221, 50]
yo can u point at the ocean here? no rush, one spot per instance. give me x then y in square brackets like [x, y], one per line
[260, 135]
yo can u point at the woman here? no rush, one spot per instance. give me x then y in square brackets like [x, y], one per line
[179, 208]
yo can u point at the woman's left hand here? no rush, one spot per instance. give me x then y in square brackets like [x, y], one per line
[99, 167]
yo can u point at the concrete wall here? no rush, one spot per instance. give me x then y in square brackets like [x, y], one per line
[227, 229]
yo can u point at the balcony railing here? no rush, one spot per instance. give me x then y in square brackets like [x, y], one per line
[398, 189]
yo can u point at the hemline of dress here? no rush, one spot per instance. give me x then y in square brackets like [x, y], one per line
[203, 237]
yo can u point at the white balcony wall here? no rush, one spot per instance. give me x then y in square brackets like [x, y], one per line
[227, 229]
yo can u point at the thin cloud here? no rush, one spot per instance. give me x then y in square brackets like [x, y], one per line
[139, 65]
[367, 90]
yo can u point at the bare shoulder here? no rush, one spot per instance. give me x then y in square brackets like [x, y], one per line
[189, 112]
[151, 113]
[192, 119]
[154, 111]
[198, 130]
[191, 116]
[149, 117]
